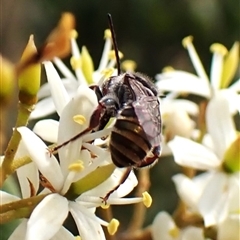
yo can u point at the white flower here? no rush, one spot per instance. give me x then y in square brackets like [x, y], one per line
[180, 109]
[83, 67]
[229, 229]
[74, 165]
[164, 228]
[215, 194]
[223, 68]
[51, 212]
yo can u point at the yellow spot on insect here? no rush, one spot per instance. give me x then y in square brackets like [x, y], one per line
[76, 63]
[186, 41]
[218, 48]
[74, 34]
[147, 199]
[77, 166]
[107, 34]
[113, 226]
[80, 119]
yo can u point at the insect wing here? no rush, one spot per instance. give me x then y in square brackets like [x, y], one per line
[148, 113]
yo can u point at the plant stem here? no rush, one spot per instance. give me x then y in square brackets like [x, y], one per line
[139, 209]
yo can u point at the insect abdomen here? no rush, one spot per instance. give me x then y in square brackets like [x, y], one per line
[128, 143]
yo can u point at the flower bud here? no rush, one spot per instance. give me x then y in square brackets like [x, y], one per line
[29, 77]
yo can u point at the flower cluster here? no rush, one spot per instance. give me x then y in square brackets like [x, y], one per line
[213, 147]
[201, 137]
[83, 176]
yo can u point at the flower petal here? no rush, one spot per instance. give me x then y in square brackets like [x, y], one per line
[233, 99]
[87, 227]
[180, 81]
[180, 104]
[28, 174]
[58, 91]
[47, 129]
[83, 103]
[43, 108]
[190, 233]
[47, 218]
[162, 225]
[191, 154]
[229, 229]
[112, 182]
[63, 234]
[220, 124]
[187, 190]
[47, 165]
[64, 69]
[20, 231]
[7, 197]
[213, 204]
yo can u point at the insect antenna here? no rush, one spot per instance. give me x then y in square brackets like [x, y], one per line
[110, 21]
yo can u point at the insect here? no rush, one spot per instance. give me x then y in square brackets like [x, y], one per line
[133, 99]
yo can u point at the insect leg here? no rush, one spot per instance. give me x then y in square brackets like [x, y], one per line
[122, 180]
[94, 122]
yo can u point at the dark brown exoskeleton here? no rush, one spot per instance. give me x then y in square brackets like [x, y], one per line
[135, 138]
[132, 99]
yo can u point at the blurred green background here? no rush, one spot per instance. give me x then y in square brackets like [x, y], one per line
[148, 31]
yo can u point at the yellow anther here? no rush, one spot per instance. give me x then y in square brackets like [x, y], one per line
[129, 65]
[107, 72]
[168, 69]
[147, 199]
[218, 48]
[111, 54]
[78, 238]
[113, 226]
[80, 119]
[174, 232]
[74, 34]
[76, 63]
[105, 206]
[107, 34]
[77, 166]
[186, 41]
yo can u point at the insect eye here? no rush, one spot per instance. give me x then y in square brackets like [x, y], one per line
[110, 102]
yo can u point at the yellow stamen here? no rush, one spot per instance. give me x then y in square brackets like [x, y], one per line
[80, 119]
[77, 166]
[74, 34]
[186, 41]
[107, 34]
[168, 69]
[218, 48]
[78, 238]
[76, 63]
[174, 232]
[107, 72]
[105, 206]
[129, 65]
[111, 55]
[147, 199]
[113, 226]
